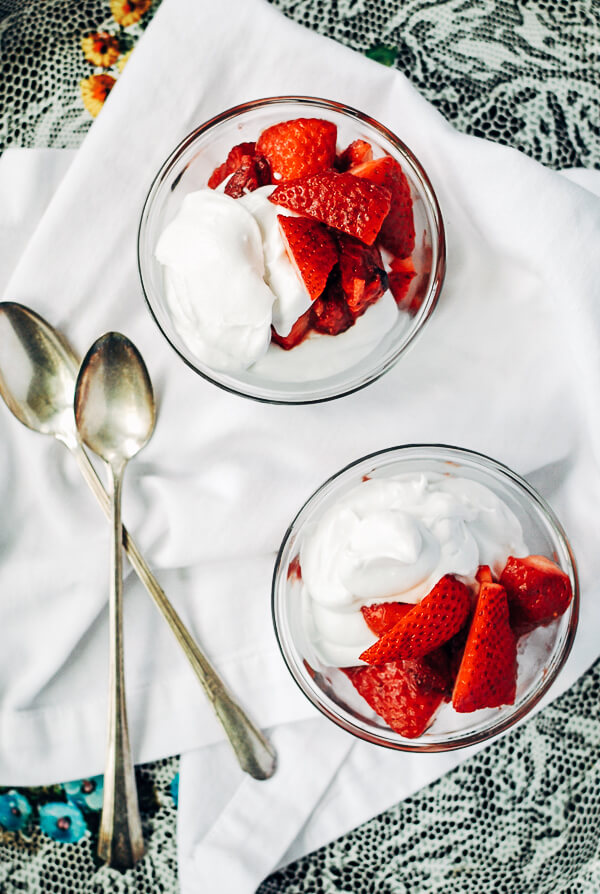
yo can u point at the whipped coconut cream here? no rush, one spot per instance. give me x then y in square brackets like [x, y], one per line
[214, 279]
[228, 278]
[392, 539]
[291, 298]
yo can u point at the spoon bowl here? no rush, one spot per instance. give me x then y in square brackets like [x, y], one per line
[38, 380]
[114, 403]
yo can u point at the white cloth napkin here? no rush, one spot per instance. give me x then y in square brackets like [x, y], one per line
[508, 365]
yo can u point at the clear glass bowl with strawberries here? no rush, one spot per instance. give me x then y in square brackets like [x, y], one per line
[291, 249]
[425, 598]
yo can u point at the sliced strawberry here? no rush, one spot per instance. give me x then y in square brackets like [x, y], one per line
[487, 676]
[312, 250]
[231, 164]
[297, 333]
[429, 625]
[484, 575]
[354, 154]
[330, 313]
[402, 271]
[254, 171]
[405, 694]
[382, 616]
[538, 591]
[362, 274]
[398, 230]
[347, 203]
[299, 147]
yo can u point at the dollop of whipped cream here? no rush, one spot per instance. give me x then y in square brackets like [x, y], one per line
[228, 278]
[392, 539]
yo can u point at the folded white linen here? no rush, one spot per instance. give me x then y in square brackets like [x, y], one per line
[509, 365]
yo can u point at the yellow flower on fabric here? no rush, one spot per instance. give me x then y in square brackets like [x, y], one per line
[101, 48]
[94, 91]
[128, 12]
[124, 60]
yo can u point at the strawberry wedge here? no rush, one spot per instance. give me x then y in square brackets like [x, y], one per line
[398, 229]
[384, 615]
[311, 249]
[342, 201]
[298, 147]
[406, 694]
[538, 591]
[487, 676]
[430, 624]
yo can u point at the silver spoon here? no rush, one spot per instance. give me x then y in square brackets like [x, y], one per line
[38, 370]
[115, 415]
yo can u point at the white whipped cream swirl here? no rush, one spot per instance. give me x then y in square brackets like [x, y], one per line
[392, 539]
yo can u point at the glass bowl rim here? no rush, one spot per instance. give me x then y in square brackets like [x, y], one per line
[439, 232]
[481, 461]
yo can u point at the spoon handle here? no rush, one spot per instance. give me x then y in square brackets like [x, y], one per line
[254, 752]
[120, 840]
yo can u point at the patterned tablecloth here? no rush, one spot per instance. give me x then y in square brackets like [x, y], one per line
[523, 816]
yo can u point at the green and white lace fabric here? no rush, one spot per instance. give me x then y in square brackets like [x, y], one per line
[523, 816]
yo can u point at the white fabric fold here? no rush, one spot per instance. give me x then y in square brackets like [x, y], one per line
[509, 365]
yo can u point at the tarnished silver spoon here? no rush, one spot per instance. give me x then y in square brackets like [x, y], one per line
[38, 370]
[115, 415]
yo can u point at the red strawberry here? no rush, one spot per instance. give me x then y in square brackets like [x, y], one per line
[398, 230]
[362, 274]
[382, 616]
[484, 575]
[538, 591]
[347, 203]
[429, 625]
[299, 147]
[354, 154]
[231, 164]
[487, 676]
[330, 314]
[297, 333]
[402, 271]
[405, 694]
[312, 250]
[253, 172]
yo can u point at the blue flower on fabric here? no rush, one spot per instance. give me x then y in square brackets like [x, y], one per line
[62, 822]
[15, 811]
[87, 794]
[175, 789]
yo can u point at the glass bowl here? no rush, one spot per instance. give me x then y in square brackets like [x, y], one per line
[540, 655]
[188, 169]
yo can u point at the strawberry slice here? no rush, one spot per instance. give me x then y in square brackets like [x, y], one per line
[405, 694]
[297, 333]
[487, 676]
[383, 615]
[398, 229]
[362, 274]
[348, 203]
[299, 147]
[538, 591]
[402, 271]
[254, 171]
[330, 313]
[231, 163]
[354, 154]
[312, 250]
[484, 575]
[430, 624]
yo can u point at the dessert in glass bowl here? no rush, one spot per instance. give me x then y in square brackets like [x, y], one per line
[425, 598]
[291, 249]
